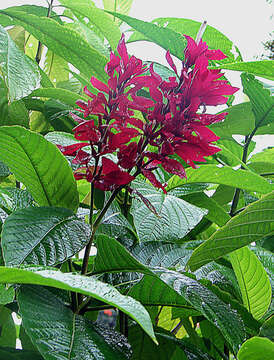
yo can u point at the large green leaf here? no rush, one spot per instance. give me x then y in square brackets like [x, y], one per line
[97, 17]
[7, 327]
[63, 95]
[56, 67]
[262, 68]
[214, 38]
[164, 37]
[121, 6]
[256, 348]
[253, 280]
[174, 218]
[89, 286]
[226, 175]
[46, 236]
[20, 73]
[262, 103]
[252, 224]
[40, 166]
[58, 333]
[68, 44]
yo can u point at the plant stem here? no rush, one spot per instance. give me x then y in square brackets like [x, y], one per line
[40, 46]
[74, 299]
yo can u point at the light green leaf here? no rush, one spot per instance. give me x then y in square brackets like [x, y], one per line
[262, 103]
[68, 44]
[252, 224]
[14, 198]
[20, 73]
[46, 236]
[164, 37]
[213, 37]
[72, 336]
[64, 96]
[175, 216]
[120, 6]
[226, 175]
[89, 286]
[56, 67]
[256, 348]
[262, 68]
[253, 281]
[97, 17]
[40, 166]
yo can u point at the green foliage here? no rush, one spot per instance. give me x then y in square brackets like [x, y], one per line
[256, 348]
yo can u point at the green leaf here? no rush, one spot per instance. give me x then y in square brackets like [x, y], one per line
[253, 280]
[20, 73]
[72, 336]
[15, 354]
[226, 175]
[40, 166]
[6, 294]
[97, 17]
[256, 348]
[7, 326]
[262, 103]
[211, 333]
[262, 68]
[4, 170]
[56, 67]
[175, 216]
[89, 286]
[164, 37]
[252, 224]
[46, 236]
[267, 329]
[120, 6]
[64, 96]
[213, 37]
[68, 44]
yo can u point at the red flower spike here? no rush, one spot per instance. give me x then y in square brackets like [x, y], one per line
[99, 85]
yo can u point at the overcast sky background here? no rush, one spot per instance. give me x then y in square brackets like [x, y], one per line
[248, 23]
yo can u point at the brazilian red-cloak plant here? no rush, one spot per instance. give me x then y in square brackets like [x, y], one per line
[176, 118]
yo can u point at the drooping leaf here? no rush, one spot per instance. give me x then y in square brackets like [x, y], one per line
[262, 68]
[175, 216]
[72, 336]
[64, 96]
[68, 44]
[97, 17]
[7, 326]
[256, 348]
[252, 224]
[89, 286]
[56, 67]
[213, 37]
[20, 73]
[253, 280]
[262, 103]
[226, 175]
[164, 37]
[40, 166]
[46, 236]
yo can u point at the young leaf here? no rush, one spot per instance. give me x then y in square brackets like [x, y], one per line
[226, 175]
[68, 44]
[252, 224]
[72, 336]
[256, 348]
[89, 286]
[96, 17]
[40, 166]
[262, 68]
[164, 37]
[175, 216]
[46, 236]
[262, 103]
[20, 73]
[253, 280]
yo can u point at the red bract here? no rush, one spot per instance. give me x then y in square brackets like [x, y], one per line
[175, 122]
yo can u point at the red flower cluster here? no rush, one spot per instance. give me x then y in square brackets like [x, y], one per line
[123, 146]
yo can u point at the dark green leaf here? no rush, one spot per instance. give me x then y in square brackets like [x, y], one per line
[14, 198]
[253, 281]
[40, 166]
[252, 224]
[72, 336]
[262, 103]
[68, 44]
[7, 294]
[164, 37]
[212, 334]
[175, 216]
[89, 286]
[46, 236]
[20, 73]
[256, 348]
[15, 354]
[7, 327]
[267, 329]
[4, 170]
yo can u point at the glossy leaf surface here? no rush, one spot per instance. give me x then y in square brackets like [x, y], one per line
[256, 348]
